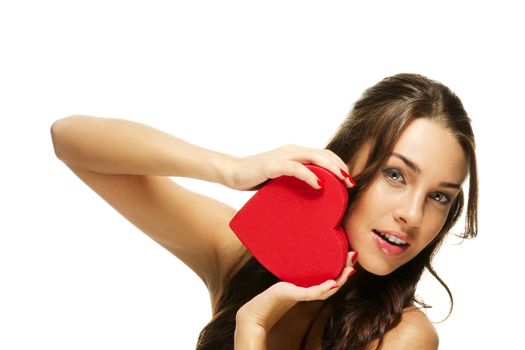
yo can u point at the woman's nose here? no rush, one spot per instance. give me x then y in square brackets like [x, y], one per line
[410, 209]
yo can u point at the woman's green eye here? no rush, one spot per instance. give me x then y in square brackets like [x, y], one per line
[394, 174]
[441, 197]
[397, 176]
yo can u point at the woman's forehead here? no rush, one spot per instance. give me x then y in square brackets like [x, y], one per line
[433, 149]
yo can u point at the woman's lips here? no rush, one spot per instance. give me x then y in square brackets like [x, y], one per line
[387, 247]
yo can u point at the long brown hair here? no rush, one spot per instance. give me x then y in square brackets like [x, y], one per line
[366, 309]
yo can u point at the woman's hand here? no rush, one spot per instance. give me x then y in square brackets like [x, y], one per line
[255, 318]
[249, 172]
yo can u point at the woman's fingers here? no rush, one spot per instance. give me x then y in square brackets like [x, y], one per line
[293, 165]
[269, 306]
[321, 291]
[351, 258]
[338, 160]
[325, 160]
[347, 272]
[337, 163]
[345, 275]
[300, 171]
[328, 160]
[289, 291]
[288, 160]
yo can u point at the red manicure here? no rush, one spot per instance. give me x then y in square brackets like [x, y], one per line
[354, 258]
[335, 286]
[320, 182]
[346, 175]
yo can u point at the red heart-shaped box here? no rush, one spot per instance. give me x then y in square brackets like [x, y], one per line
[294, 230]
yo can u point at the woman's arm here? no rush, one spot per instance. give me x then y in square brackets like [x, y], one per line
[126, 163]
[249, 336]
[117, 146]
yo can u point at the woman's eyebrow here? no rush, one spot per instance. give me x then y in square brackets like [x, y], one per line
[417, 170]
[408, 162]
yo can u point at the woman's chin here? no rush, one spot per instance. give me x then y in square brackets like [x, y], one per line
[375, 267]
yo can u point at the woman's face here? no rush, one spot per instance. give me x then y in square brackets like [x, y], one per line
[408, 200]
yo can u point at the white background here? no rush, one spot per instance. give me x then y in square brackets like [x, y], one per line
[239, 77]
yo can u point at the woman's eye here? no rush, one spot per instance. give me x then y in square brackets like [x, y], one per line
[394, 174]
[441, 197]
[397, 176]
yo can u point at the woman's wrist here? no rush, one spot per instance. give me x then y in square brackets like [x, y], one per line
[249, 335]
[221, 168]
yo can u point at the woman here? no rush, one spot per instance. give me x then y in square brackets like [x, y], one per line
[409, 145]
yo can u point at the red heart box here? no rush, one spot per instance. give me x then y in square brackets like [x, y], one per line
[294, 230]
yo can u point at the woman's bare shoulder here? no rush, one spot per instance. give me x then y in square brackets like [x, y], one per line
[415, 331]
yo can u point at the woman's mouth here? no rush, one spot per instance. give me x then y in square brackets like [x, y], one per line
[389, 244]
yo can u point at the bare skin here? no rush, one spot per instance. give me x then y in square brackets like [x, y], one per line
[128, 165]
[411, 195]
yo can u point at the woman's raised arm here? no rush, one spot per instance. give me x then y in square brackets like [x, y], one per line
[126, 163]
[117, 146]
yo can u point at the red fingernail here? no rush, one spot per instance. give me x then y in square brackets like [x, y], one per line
[346, 175]
[354, 258]
[351, 273]
[320, 182]
[335, 286]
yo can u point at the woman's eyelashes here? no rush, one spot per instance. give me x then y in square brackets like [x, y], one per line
[441, 197]
[396, 176]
